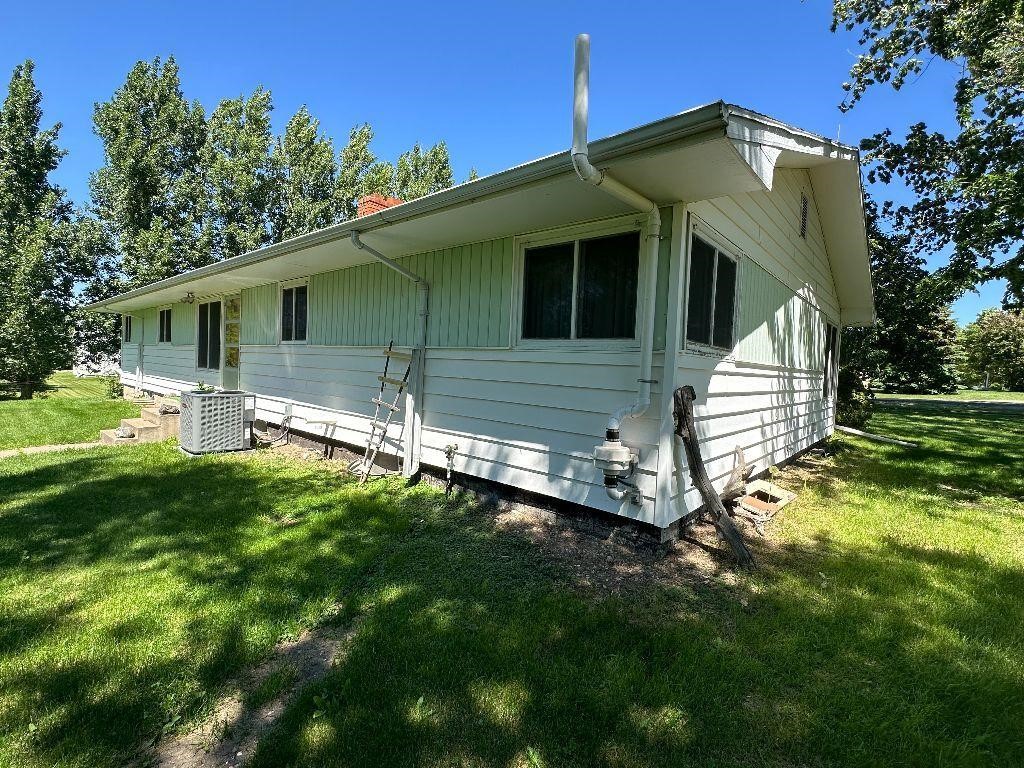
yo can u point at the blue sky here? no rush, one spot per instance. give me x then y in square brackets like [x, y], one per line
[493, 80]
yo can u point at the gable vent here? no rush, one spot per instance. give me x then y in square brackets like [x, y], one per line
[803, 215]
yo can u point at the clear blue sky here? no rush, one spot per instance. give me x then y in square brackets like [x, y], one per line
[493, 81]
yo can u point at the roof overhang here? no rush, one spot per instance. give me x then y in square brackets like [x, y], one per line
[707, 152]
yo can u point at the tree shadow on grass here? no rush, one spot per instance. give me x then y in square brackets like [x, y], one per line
[470, 654]
[136, 582]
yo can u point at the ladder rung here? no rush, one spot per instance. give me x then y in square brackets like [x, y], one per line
[397, 355]
[378, 401]
[393, 382]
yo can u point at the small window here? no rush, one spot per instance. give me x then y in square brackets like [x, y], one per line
[208, 336]
[126, 329]
[803, 215]
[712, 295]
[831, 348]
[582, 289]
[165, 326]
[293, 313]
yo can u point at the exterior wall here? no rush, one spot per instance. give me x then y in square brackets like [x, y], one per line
[530, 417]
[767, 396]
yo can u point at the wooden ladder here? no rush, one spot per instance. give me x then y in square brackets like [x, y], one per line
[383, 407]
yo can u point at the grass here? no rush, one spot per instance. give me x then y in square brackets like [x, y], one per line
[67, 410]
[884, 624]
[963, 394]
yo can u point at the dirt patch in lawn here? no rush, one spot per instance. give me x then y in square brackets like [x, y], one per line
[229, 735]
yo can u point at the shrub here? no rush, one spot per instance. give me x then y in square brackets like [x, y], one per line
[114, 388]
[854, 401]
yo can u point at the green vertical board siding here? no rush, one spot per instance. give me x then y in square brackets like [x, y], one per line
[259, 314]
[150, 325]
[183, 324]
[369, 305]
[775, 326]
[664, 265]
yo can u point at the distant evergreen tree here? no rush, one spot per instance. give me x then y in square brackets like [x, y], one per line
[38, 259]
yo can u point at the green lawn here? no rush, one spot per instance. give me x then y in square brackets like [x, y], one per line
[68, 410]
[963, 394]
[884, 624]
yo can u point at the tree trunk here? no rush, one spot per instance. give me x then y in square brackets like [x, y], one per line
[682, 401]
[27, 387]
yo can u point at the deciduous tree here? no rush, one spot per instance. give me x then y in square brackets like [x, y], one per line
[969, 186]
[308, 193]
[992, 349]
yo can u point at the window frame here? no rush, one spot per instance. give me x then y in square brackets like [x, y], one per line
[619, 225]
[726, 248]
[126, 329]
[160, 325]
[830, 364]
[219, 299]
[281, 288]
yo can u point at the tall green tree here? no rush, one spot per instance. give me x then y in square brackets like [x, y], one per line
[992, 349]
[151, 194]
[911, 347]
[240, 173]
[420, 172]
[37, 259]
[307, 191]
[969, 186]
[360, 173]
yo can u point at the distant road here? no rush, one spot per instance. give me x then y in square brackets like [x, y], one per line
[1009, 406]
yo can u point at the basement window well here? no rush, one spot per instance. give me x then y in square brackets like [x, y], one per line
[582, 289]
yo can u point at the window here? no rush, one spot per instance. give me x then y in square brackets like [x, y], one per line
[293, 313]
[582, 289]
[803, 215]
[831, 348]
[208, 336]
[712, 297]
[126, 329]
[165, 325]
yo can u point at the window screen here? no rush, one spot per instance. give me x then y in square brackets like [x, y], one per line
[606, 301]
[293, 313]
[712, 296]
[547, 291]
[208, 336]
[725, 297]
[127, 329]
[165, 325]
[702, 278]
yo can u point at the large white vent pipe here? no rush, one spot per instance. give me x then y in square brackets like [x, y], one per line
[652, 231]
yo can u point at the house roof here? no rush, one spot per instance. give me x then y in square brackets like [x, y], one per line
[710, 151]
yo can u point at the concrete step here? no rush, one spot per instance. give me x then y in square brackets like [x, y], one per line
[144, 431]
[107, 437]
[168, 423]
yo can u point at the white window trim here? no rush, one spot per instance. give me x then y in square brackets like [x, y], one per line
[728, 249]
[616, 226]
[167, 308]
[280, 305]
[220, 330]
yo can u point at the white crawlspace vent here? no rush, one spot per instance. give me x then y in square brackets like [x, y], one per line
[212, 422]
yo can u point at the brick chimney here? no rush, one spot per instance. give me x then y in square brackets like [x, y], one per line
[373, 203]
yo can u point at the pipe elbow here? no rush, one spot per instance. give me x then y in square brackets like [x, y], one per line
[586, 171]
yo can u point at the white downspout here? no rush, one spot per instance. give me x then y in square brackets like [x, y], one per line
[411, 465]
[652, 231]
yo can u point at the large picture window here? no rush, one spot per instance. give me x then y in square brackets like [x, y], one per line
[712, 296]
[165, 325]
[293, 313]
[582, 289]
[208, 336]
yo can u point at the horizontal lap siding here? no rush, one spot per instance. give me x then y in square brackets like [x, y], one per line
[767, 398]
